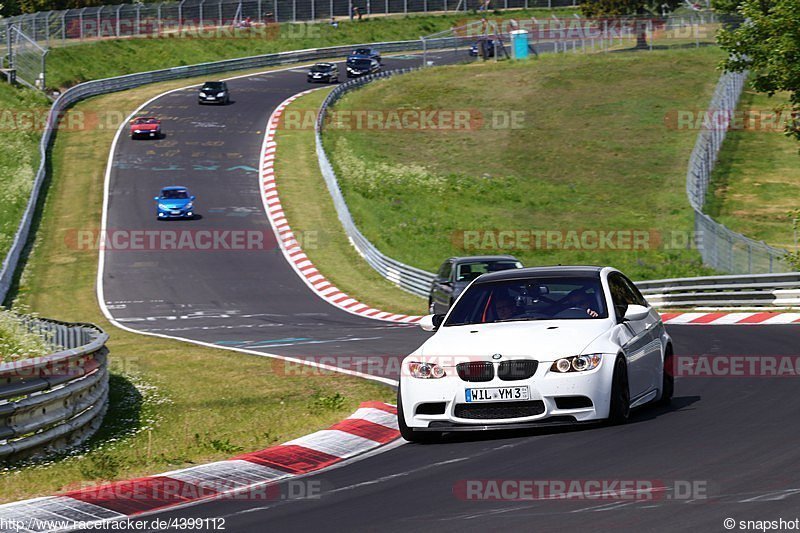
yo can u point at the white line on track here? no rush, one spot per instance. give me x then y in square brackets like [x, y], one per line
[101, 258]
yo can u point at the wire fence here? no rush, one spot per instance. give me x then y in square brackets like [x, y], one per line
[188, 16]
[26, 58]
[721, 248]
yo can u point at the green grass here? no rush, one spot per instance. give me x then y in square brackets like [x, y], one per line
[16, 342]
[172, 404]
[593, 153]
[310, 211]
[22, 112]
[68, 65]
[756, 182]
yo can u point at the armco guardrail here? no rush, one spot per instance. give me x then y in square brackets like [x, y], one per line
[405, 276]
[721, 248]
[109, 85]
[55, 402]
[758, 290]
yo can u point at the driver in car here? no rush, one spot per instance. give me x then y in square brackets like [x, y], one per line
[580, 300]
[505, 307]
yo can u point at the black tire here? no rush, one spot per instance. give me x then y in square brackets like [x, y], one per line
[419, 437]
[620, 408]
[667, 379]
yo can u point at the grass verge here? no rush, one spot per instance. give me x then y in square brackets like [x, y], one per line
[756, 182]
[591, 151]
[68, 65]
[172, 404]
[22, 113]
[16, 342]
[311, 213]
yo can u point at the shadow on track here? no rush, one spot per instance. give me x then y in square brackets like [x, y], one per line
[639, 415]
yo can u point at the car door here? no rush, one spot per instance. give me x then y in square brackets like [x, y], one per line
[634, 337]
[442, 288]
[654, 364]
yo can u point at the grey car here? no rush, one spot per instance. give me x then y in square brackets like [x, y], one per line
[457, 272]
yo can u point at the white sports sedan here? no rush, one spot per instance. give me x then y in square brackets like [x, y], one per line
[536, 346]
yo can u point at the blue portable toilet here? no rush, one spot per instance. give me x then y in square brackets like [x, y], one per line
[519, 44]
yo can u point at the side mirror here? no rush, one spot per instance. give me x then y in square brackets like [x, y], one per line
[191, 198]
[155, 198]
[637, 312]
[431, 322]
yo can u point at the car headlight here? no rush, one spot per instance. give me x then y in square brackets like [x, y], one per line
[220, 95]
[578, 363]
[163, 206]
[202, 94]
[189, 205]
[426, 370]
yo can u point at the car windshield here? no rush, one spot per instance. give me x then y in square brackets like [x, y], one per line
[544, 298]
[321, 68]
[146, 121]
[213, 86]
[362, 52]
[470, 271]
[174, 195]
[359, 63]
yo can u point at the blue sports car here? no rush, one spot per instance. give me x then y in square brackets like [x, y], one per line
[175, 202]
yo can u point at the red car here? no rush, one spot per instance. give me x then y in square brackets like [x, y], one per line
[146, 127]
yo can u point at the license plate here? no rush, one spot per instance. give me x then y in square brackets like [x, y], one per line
[175, 212]
[499, 394]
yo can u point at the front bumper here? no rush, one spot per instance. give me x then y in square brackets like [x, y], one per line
[555, 399]
[211, 100]
[162, 214]
[151, 134]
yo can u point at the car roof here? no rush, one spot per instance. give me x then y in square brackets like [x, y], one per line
[550, 271]
[325, 65]
[469, 258]
[174, 188]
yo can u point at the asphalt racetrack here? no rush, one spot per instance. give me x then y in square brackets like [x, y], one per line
[733, 440]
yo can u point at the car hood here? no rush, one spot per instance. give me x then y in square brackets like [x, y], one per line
[175, 204]
[545, 340]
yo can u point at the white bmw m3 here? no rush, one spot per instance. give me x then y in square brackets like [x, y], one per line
[536, 346]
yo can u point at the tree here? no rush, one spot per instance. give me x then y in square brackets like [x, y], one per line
[628, 8]
[768, 45]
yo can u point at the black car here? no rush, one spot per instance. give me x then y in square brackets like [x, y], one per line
[357, 66]
[214, 92]
[486, 45]
[369, 53]
[457, 272]
[324, 72]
